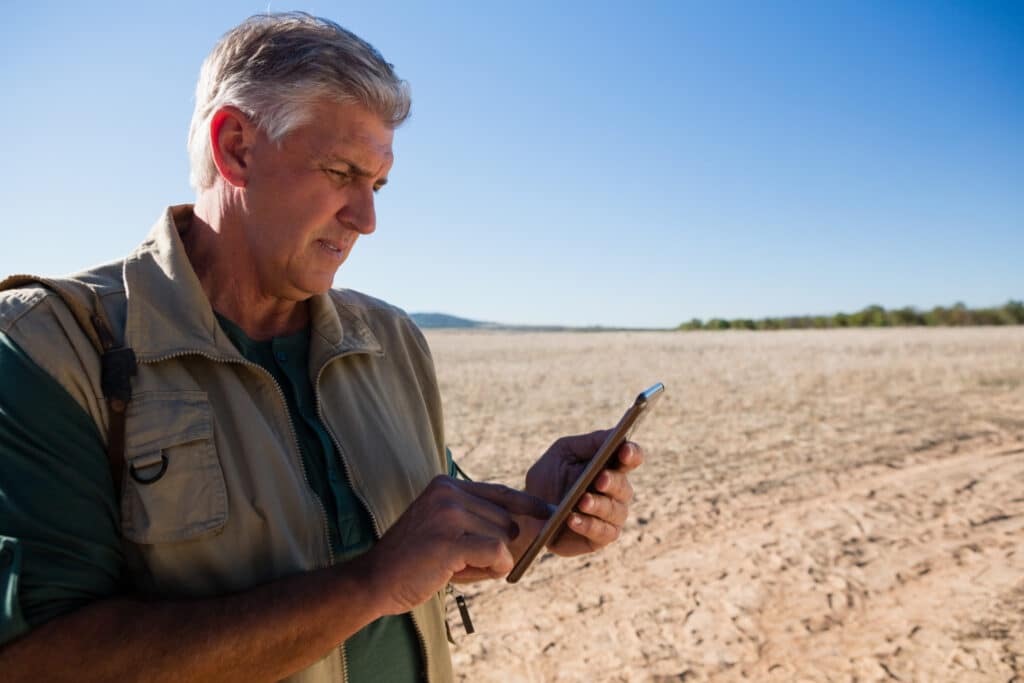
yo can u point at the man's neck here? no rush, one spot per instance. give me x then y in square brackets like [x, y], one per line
[232, 288]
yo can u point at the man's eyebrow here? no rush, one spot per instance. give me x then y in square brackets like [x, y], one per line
[356, 168]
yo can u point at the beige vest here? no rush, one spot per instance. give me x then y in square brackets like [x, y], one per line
[233, 509]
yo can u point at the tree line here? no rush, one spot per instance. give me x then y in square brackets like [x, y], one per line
[957, 315]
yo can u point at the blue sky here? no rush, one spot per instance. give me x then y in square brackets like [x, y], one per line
[579, 163]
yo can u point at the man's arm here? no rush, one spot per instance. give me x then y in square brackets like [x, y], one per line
[263, 634]
[58, 513]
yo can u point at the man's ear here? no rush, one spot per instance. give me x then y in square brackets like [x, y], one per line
[231, 136]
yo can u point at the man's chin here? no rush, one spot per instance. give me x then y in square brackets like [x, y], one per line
[306, 293]
[314, 277]
[315, 286]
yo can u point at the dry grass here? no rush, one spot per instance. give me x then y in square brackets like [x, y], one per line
[817, 505]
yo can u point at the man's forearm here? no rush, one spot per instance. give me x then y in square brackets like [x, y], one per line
[263, 634]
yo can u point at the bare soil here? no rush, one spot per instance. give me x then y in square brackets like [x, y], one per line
[836, 505]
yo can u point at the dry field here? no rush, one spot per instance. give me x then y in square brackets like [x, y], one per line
[839, 505]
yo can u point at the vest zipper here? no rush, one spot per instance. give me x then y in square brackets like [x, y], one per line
[373, 518]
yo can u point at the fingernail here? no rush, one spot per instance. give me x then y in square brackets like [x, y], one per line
[576, 521]
[513, 532]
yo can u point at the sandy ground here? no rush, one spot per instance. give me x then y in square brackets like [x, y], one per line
[816, 505]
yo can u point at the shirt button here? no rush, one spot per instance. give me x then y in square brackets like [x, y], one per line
[281, 356]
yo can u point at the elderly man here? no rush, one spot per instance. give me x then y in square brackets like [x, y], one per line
[275, 503]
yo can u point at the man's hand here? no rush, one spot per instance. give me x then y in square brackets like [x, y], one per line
[455, 530]
[599, 517]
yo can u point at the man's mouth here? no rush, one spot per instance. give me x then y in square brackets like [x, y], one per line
[331, 247]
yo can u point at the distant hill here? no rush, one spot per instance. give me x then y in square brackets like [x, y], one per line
[443, 320]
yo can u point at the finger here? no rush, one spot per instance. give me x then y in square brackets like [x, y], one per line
[485, 553]
[630, 456]
[581, 447]
[474, 574]
[460, 513]
[510, 500]
[599, 532]
[605, 508]
[614, 483]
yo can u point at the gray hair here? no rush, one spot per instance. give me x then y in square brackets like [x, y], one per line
[274, 67]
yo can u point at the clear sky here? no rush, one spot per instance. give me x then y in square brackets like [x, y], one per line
[578, 163]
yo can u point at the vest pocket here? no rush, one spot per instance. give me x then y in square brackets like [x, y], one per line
[173, 484]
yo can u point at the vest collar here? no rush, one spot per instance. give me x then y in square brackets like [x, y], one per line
[169, 314]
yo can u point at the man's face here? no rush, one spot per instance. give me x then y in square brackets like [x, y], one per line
[311, 196]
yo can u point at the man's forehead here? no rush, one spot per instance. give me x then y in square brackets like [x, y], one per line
[354, 150]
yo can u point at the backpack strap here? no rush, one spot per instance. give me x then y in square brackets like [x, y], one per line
[117, 362]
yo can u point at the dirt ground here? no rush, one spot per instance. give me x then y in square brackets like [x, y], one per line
[836, 505]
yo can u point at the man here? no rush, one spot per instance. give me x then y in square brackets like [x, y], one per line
[284, 511]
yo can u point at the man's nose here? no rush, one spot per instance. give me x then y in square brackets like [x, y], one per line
[359, 211]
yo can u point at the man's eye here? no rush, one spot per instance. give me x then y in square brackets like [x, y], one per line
[342, 176]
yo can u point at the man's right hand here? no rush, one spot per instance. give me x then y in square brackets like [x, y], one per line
[454, 530]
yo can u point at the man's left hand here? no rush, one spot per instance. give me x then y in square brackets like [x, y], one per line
[599, 516]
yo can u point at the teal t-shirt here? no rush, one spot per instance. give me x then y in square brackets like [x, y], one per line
[57, 558]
